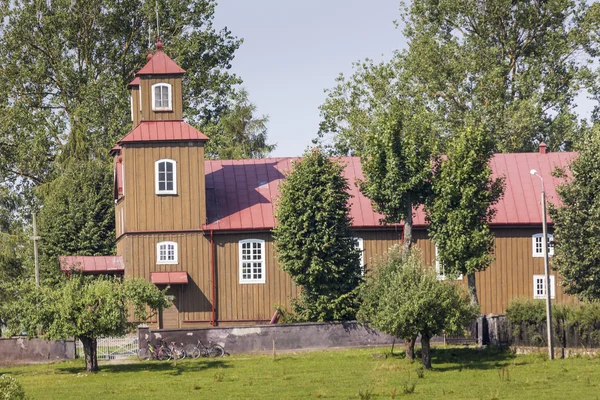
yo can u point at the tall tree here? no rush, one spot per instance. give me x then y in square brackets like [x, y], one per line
[577, 222]
[404, 298]
[64, 70]
[313, 238]
[350, 110]
[518, 65]
[460, 208]
[82, 307]
[238, 133]
[397, 163]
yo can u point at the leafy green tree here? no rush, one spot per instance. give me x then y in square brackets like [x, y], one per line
[78, 213]
[404, 298]
[82, 307]
[518, 65]
[64, 70]
[313, 238]
[461, 207]
[577, 221]
[238, 133]
[397, 163]
[350, 111]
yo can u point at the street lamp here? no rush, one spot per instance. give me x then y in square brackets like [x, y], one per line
[546, 269]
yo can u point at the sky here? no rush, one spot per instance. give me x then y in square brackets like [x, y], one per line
[293, 50]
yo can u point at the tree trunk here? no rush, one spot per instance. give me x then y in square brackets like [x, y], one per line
[91, 356]
[426, 351]
[472, 288]
[409, 345]
[408, 225]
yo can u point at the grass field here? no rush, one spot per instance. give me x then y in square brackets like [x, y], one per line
[459, 373]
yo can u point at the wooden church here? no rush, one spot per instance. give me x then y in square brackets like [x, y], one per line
[203, 227]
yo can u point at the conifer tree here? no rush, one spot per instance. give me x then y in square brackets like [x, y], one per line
[314, 243]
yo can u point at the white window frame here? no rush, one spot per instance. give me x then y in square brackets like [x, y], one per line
[439, 269]
[123, 176]
[166, 260]
[542, 279]
[242, 279]
[169, 107]
[131, 105]
[140, 91]
[540, 253]
[360, 245]
[156, 176]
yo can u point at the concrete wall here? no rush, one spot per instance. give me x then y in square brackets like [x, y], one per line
[23, 351]
[259, 338]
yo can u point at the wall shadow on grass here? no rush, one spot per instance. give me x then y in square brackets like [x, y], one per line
[183, 366]
[469, 358]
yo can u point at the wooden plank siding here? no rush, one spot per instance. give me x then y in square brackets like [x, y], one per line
[147, 114]
[139, 255]
[147, 211]
[135, 102]
[510, 276]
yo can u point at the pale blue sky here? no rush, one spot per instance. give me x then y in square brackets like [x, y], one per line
[293, 50]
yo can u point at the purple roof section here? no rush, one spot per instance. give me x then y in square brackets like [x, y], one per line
[241, 194]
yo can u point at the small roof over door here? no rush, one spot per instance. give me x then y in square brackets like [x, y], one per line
[169, 278]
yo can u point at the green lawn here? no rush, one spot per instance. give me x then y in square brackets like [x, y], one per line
[459, 373]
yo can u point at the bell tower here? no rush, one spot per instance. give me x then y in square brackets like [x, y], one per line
[156, 91]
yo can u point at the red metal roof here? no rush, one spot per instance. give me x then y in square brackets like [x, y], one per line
[92, 264]
[151, 131]
[240, 194]
[160, 64]
[169, 278]
[134, 82]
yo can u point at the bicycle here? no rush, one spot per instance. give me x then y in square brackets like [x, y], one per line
[180, 353]
[151, 352]
[200, 350]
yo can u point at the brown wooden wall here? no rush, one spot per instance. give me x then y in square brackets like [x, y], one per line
[176, 95]
[139, 254]
[147, 211]
[135, 100]
[254, 301]
[510, 276]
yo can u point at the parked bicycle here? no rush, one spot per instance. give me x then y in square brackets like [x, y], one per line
[173, 350]
[213, 350]
[152, 352]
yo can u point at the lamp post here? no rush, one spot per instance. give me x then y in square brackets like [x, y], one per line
[546, 269]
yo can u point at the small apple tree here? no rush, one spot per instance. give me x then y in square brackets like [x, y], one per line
[405, 299]
[82, 307]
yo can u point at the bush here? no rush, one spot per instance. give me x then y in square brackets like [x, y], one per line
[10, 388]
[529, 317]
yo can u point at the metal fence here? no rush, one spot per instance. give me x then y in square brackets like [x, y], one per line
[112, 348]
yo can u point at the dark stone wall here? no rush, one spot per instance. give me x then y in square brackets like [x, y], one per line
[20, 350]
[260, 338]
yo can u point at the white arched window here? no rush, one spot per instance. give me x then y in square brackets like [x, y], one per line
[166, 253]
[166, 176]
[252, 261]
[161, 97]
[537, 245]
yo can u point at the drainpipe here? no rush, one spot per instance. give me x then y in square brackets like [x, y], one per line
[214, 284]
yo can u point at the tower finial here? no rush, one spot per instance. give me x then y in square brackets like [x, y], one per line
[159, 45]
[157, 25]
